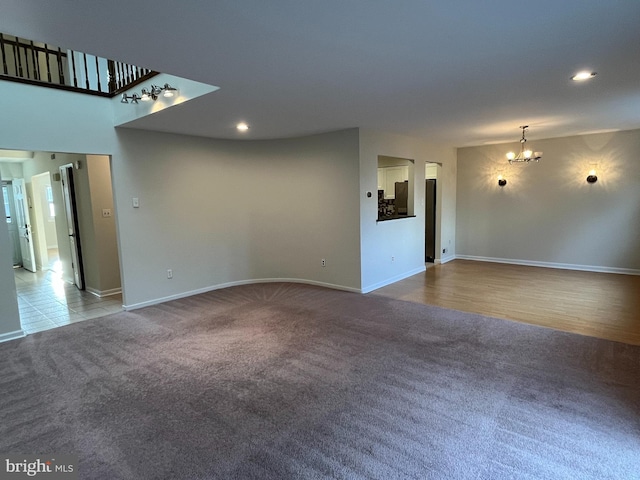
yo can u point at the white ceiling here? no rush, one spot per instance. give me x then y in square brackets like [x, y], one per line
[460, 72]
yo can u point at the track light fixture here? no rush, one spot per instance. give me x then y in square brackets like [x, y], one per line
[134, 98]
[151, 93]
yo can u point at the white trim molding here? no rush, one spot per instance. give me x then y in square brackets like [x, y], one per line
[104, 293]
[5, 337]
[447, 258]
[198, 291]
[395, 279]
[562, 266]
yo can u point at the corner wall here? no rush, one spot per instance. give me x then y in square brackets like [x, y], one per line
[403, 239]
[106, 238]
[548, 214]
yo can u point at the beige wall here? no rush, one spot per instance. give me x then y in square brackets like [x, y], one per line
[9, 319]
[10, 170]
[225, 212]
[394, 249]
[547, 213]
[104, 247]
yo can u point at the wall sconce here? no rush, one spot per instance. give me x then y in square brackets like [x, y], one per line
[501, 181]
[152, 93]
[592, 177]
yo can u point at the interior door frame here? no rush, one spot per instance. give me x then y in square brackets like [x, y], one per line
[73, 230]
[430, 224]
[40, 244]
[14, 236]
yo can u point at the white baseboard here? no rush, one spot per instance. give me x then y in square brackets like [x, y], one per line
[5, 337]
[391, 280]
[104, 293]
[562, 266]
[198, 291]
[447, 258]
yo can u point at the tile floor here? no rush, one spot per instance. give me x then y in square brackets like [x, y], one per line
[46, 301]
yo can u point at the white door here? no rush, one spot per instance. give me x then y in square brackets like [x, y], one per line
[66, 176]
[10, 212]
[24, 224]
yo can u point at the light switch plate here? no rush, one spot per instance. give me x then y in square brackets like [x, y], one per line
[136, 202]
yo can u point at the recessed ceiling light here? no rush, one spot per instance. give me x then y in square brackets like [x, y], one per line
[584, 75]
[242, 127]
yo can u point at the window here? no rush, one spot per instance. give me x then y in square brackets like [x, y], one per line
[5, 196]
[52, 208]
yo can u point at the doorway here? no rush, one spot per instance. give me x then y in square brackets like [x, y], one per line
[432, 171]
[47, 294]
[430, 221]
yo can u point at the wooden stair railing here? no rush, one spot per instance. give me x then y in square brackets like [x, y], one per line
[35, 63]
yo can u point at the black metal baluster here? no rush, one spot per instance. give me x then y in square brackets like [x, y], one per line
[119, 79]
[73, 67]
[34, 62]
[46, 54]
[112, 73]
[26, 59]
[86, 71]
[60, 67]
[20, 59]
[98, 75]
[15, 60]
[4, 58]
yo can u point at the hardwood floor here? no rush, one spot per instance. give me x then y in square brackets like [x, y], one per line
[601, 305]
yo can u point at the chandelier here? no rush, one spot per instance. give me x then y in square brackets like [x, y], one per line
[525, 155]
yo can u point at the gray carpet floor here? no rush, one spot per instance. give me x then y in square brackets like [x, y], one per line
[289, 381]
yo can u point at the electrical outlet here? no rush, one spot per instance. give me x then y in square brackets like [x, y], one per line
[169, 273]
[324, 262]
[444, 250]
[393, 259]
[106, 212]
